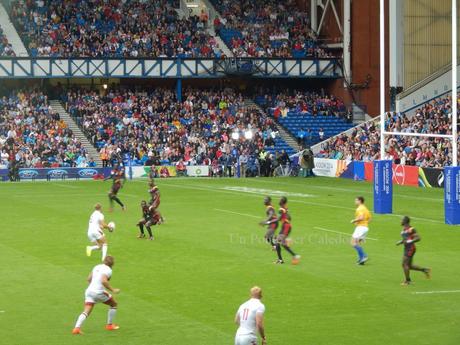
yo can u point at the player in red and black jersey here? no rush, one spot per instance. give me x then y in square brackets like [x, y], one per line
[146, 215]
[118, 180]
[271, 222]
[284, 219]
[409, 238]
[155, 199]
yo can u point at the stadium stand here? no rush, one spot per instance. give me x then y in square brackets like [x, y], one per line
[309, 116]
[33, 135]
[259, 28]
[363, 142]
[136, 28]
[206, 128]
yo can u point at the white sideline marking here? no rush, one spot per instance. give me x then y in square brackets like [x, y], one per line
[434, 292]
[350, 190]
[298, 201]
[341, 233]
[240, 214]
[65, 186]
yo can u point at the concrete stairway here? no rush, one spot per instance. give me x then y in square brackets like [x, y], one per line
[213, 14]
[284, 134]
[65, 116]
[11, 34]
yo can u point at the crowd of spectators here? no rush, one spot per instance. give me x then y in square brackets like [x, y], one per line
[5, 47]
[363, 143]
[208, 127]
[316, 103]
[261, 28]
[32, 135]
[111, 28]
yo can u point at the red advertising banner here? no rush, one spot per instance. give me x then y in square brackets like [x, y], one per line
[404, 175]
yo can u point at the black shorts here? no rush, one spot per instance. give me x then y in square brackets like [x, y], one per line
[114, 190]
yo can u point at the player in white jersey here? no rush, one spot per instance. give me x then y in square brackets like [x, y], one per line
[96, 293]
[96, 235]
[250, 319]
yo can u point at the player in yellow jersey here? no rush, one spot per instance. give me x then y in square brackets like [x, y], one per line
[361, 220]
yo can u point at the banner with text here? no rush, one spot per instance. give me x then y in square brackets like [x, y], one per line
[404, 175]
[383, 187]
[452, 195]
[57, 173]
[329, 167]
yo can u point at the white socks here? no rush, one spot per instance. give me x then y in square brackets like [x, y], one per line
[111, 315]
[104, 251]
[80, 320]
[95, 247]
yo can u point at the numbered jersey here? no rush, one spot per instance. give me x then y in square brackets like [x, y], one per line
[94, 224]
[247, 314]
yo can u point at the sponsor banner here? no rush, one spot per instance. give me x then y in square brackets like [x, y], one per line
[431, 178]
[58, 173]
[452, 195]
[329, 167]
[383, 187]
[404, 175]
[358, 171]
[198, 170]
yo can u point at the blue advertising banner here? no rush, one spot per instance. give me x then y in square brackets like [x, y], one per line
[452, 195]
[383, 187]
[57, 173]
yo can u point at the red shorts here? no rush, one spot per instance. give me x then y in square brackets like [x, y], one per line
[285, 229]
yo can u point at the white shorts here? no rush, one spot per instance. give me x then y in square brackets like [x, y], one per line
[95, 235]
[246, 340]
[92, 297]
[360, 232]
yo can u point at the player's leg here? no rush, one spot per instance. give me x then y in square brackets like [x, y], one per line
[115, 197]
[102, 242]
[406, 263]
[413, 267]
[93, 237]
[111, 314]
[111, 201]
[269, 236]
[148, 226]
[286, 231]
[279, 240]
[356, 240]
[141, 224]
[89, 304]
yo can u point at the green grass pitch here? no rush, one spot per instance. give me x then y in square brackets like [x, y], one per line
[185, 287]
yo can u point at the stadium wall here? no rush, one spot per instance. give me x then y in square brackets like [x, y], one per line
[365, 53]
[434, 86]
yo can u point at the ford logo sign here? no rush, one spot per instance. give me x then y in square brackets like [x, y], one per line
[57, 173]
[28, 173]
[87, 172]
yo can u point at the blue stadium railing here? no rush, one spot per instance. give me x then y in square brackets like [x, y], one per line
[25, 67]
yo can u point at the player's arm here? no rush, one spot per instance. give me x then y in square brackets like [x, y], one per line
[106, 284]
[359, 218]
[90, 277]
[109, 177]
[103, 224]
[237, 318]
[277, 219]
[415, 237]
[269, 219]
[260, 326]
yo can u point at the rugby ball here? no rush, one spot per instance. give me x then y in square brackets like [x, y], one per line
[111, 226]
